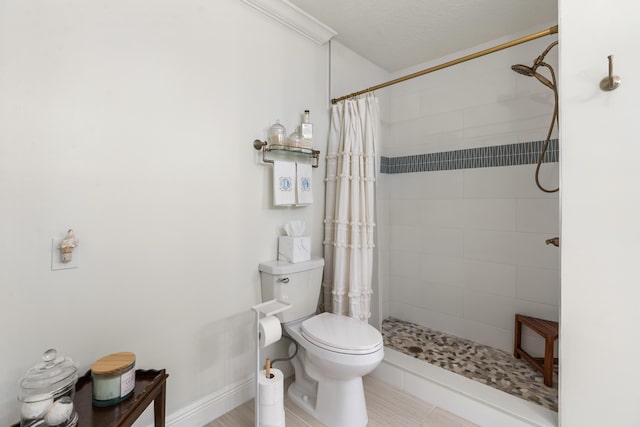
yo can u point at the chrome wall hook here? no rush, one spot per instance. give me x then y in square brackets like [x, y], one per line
[611, 82]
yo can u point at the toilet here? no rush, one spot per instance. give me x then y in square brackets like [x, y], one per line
[334, 351]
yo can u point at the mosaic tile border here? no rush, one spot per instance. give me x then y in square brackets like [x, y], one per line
[523, 153]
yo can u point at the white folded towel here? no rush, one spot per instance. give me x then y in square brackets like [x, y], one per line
[304, 189]
[284, 181]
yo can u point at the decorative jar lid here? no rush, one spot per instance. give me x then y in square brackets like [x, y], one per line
[277, 128]
[114, 363]
[44, 380]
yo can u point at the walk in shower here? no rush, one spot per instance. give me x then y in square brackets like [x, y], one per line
[462, 225]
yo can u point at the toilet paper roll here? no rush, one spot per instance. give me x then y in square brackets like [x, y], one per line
[270, 330]
[276, 419]
[271, 389]
[271, 398]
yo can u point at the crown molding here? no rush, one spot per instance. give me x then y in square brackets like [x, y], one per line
[294, 18]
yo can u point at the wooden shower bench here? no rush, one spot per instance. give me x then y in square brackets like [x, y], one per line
[548, 330]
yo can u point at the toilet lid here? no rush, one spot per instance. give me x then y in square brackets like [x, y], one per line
[341, 334]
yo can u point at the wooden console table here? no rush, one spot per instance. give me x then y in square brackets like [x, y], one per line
[150, 387]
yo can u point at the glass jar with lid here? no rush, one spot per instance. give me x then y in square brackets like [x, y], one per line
[277, 134]
[46, 392]
[294, 140]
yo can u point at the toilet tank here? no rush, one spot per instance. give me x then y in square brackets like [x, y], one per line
[297, 284]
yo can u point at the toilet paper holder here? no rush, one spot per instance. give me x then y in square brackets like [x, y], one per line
[268, 308]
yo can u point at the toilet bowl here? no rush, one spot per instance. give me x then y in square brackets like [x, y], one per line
[334, 353]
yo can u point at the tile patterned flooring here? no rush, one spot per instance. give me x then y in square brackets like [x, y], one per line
[487, 365]
[386, 407]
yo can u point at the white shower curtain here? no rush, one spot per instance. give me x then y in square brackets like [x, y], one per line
[349, 214]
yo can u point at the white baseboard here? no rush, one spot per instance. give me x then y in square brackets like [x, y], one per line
[214, 405]
[462, 396]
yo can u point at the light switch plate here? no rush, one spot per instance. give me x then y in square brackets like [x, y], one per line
[56, 264]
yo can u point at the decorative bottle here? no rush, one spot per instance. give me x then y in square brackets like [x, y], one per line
[306, 130]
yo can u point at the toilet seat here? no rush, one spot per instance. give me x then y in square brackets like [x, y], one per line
[341, 334]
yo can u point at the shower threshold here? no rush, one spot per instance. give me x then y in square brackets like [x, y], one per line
[486, 365]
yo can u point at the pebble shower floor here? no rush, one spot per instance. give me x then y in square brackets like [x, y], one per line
[487, 365]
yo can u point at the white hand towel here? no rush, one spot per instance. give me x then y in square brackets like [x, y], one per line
[304, 187]
[284, 181]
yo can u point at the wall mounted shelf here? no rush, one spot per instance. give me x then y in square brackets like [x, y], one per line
[266, 148]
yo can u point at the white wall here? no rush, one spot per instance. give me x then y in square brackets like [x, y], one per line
[467, 247]
[351, 72]
[599, 344]
[132, 122]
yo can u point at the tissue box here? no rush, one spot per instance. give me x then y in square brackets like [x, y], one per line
[294, 249]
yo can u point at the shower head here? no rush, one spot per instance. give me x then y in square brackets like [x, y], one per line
[531, 71]
[523, 69]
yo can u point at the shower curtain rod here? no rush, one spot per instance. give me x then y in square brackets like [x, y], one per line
[547, 32]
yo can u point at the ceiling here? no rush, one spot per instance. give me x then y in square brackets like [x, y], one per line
[396, 34]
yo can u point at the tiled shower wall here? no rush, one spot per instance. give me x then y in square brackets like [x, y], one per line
[463, 249]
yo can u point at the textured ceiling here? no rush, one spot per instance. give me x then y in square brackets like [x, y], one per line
[396, 34]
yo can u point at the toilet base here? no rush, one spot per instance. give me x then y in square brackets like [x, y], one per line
[335, 403]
